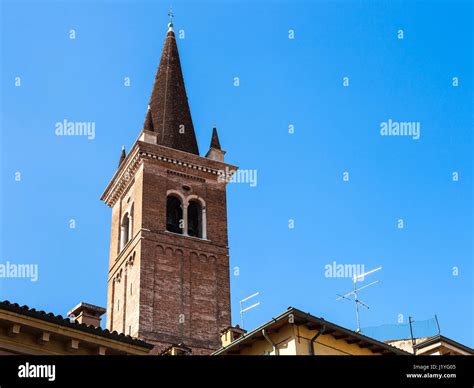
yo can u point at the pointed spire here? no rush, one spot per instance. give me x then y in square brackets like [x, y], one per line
[215, 140]
[169, 112]
[123, 155]
[148, 125]
[215, 151]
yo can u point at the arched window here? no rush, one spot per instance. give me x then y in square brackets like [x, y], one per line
[194, 219]
[130, 228]
[124, 230]
[174, 214]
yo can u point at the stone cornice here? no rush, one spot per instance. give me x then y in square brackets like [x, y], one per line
[122, 177]
[142, 151]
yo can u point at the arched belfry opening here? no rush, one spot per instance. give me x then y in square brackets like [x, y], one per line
[174, 214]
[124, 230]
[194, 219]
[130, 228]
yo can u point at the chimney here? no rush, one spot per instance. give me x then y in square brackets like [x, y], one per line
[87, 314]
[176, 350]
[230, 334]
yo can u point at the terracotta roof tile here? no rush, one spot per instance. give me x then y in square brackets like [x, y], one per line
[60, 320]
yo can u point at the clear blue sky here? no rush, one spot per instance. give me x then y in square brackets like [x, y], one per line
[282, 82]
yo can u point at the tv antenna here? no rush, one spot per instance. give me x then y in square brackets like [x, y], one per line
[244, 309]
[353, 295]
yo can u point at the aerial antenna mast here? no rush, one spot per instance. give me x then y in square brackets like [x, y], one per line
[353, 295]
[244, 309]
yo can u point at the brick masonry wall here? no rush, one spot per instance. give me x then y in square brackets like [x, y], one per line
[124, 273]
[181, 290]
[185, 293]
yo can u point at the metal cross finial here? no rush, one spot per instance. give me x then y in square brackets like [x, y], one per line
[171, 15]
[170, 24]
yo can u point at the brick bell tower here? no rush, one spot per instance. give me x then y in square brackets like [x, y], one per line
[168, 280]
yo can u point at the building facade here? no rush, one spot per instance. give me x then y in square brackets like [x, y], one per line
[296, 333]
[437, 345]
[24, 330]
